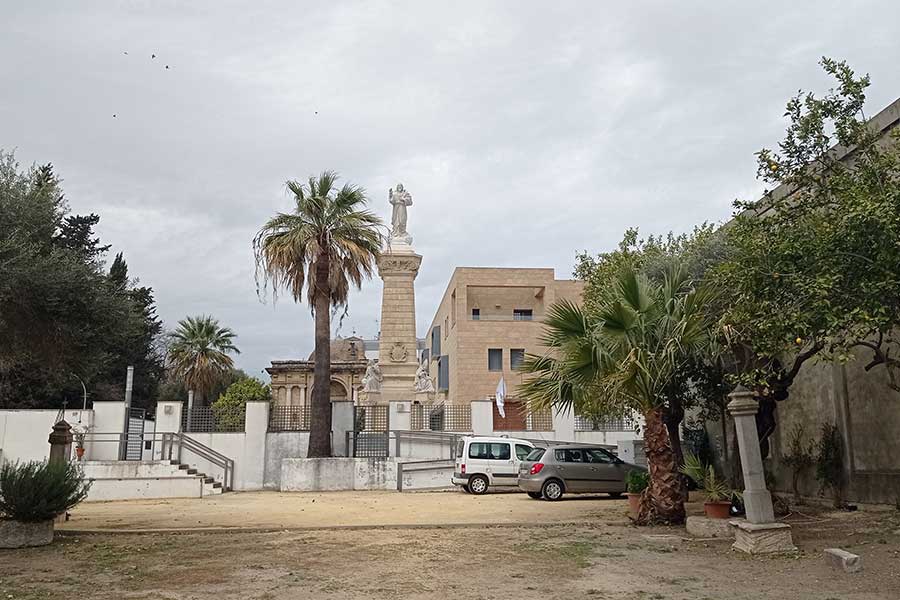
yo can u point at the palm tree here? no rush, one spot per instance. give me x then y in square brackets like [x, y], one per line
[625, 356]
[199, 352]
[328, 242]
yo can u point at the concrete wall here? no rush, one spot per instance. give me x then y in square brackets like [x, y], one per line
[333, 474]
[279, 446]
[128, 480]
[866, 411]
[24, 433]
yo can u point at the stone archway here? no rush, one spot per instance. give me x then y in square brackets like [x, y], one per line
[338, 392]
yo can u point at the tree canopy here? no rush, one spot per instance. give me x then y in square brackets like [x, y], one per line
[63, 317]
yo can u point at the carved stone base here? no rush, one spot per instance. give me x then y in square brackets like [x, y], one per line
[763, 538]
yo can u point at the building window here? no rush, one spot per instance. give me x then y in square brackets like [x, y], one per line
[446, 328]
[436, 341]
[495, 359]
[443, 383]
[522, 314]
[476, 314]
[453, 309]
[516, 358]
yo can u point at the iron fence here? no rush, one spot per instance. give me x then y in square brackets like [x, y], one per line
[589, 424]
[289, 418]
[206, 419]
[372, 417]
[441, 417]
[539, 420]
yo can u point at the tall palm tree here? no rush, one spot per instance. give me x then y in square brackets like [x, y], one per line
[199, 352]
[328, 242]
[625, 356]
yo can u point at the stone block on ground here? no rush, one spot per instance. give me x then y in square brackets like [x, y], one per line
[763, 538]
[704, 527]
[841, 559]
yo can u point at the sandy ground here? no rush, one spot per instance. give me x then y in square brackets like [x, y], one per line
[275, 510]
[599, 558]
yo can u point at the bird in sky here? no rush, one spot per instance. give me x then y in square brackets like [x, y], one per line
[152, 56]
[114, 115]
[125, 53]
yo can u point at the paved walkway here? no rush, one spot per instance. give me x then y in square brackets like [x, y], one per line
[277, 510]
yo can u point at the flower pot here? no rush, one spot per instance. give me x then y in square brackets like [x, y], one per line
[634, 504]
[79, 452]
[716, 510]
[16, 534]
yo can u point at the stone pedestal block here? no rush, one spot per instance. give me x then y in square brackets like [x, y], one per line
[397, 355]
[763, 538]
[704, 527]
[841, 559]
[16, 534]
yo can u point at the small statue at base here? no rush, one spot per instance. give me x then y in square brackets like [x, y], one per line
[372, 379]
[423, 384]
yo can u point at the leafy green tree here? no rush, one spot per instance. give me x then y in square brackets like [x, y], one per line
[199, 353]
[813, 271]
[230, 406]
[326, 244]
[61, 317]
[625, 353]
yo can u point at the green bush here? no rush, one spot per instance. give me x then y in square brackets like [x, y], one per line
[705, 477]
[229, 408]
[636, 481]
[39, 491]
[830, 463]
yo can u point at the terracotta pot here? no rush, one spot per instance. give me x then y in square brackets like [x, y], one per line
[634, 504]
[79, 452]
[716, 510]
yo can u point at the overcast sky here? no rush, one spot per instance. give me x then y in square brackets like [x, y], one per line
[525, 131]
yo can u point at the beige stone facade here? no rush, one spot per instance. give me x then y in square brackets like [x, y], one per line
[489, 311]
[292, 380]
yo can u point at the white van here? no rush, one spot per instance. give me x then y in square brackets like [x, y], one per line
[482, 462]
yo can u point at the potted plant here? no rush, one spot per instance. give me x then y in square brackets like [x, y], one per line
[79, 433]
[718, 494]
[636, 481]
[32, 495]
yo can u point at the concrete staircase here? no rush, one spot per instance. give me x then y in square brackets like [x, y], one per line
[129, 480]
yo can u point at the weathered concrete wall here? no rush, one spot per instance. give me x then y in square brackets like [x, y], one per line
[333, 474]
[279, 446]
[128, 480]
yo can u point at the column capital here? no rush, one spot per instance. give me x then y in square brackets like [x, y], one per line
[742, 403]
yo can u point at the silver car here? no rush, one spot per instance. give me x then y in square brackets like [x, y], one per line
[573, 469]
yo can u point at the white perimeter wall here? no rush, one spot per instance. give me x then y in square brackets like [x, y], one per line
[24, 433]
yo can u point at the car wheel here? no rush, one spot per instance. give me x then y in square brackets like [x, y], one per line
[535, 495]
[466, 488]
[552, 490]
[615, 494]
[478, 485]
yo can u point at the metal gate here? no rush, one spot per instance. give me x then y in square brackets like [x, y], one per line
[371, 431]
[133, 446]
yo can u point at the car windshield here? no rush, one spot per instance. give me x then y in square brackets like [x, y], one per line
[535, 455]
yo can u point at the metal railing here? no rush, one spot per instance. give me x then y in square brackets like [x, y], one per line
[289, 418]
[441, 417]
[206, 419]
[618, 424]
[175, 445]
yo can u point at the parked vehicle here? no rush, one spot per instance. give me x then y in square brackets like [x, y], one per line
[573, 469]
[484, 462]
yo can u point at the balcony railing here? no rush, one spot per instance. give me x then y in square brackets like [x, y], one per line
[536, 317]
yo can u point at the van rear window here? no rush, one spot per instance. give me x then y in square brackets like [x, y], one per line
[489, 450]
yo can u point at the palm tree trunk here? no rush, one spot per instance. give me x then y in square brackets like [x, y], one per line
[320, 409]
[662, 501]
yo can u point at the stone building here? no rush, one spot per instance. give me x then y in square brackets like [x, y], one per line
[486, 322]
[292, 380]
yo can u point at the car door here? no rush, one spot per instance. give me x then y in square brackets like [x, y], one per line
[606, 473]
[575, 469]
[504, 466]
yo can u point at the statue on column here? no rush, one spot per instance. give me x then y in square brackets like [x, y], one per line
[423, 384]
[372, 379]
[399, 199]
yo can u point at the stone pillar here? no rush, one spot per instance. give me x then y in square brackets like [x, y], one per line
[482, 417]
[60, 443]
[400, 416]
[342, 414]
[564, 424]
[760, 534]
[250, 474]
[168, 420]
[397, 356]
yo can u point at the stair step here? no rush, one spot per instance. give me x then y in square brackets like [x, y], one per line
[208, 480]
[217, 485]
[183, 467]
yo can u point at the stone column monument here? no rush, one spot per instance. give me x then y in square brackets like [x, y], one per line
[398, 267]
[760, 533]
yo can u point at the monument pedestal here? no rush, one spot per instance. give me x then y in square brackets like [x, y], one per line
[397, 356]
[762, 538]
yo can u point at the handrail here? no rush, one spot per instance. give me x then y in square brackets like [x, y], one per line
[205, 452]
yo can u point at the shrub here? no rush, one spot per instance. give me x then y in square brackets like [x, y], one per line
[229, 408]
[830, 463]
[705, 477]
[637, 481]
[39, 491]
[799, 458]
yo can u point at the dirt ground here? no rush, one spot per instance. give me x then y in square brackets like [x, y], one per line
[273, 510]
[601, 558]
